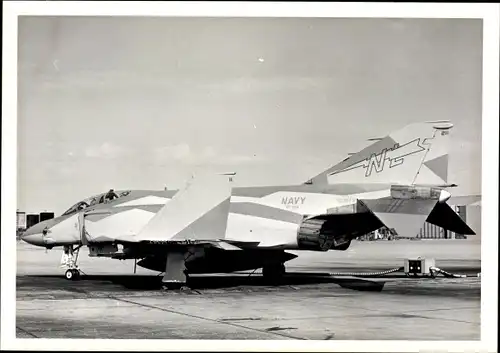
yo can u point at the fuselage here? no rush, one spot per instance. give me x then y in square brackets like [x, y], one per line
[269, 215]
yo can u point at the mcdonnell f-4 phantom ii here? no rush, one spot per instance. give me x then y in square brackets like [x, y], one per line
[398, 182]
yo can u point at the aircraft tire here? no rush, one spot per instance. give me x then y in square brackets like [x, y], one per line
[72, 275]
[273, 273]
[69, 275]
[76, 275]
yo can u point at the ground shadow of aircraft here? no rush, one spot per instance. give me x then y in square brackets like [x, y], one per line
[205, 282]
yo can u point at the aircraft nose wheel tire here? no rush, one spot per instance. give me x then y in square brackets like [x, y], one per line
[273, 273]
[72, 275]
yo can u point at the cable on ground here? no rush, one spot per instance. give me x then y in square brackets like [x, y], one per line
[367, 274]
[451, 275]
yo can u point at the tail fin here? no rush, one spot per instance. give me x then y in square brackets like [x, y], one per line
[434, 170]
[416, 154]
[197, 212]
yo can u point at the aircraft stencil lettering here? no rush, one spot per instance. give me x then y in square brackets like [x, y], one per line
[394, 155]
[293, 200]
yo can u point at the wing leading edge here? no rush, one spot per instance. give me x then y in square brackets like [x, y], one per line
[197, 213]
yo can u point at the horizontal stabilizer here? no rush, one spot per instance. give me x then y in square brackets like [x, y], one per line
[443, 216]
[199, 212]
[405, 216]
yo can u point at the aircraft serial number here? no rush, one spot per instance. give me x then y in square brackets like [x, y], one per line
[174, 242]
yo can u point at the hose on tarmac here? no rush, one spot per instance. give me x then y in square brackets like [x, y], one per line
[451, 275]
[433, 270]
[367, 274]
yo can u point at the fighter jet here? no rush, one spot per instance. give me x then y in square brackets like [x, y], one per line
[398, 182]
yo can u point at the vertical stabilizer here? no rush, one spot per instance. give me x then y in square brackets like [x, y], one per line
[406, 157]
[434, 170]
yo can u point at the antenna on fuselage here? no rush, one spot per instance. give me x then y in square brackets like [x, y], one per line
[230, 174]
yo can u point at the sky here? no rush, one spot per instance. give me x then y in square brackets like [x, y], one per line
[142, 103]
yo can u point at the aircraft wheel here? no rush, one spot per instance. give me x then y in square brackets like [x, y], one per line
[72, 275]
[69, 275]
[76, 275]
[273, 273]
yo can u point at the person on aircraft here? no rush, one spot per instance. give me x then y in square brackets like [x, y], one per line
[82, 205]
[111, 195]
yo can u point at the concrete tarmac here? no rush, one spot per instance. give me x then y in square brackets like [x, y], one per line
[112, 302]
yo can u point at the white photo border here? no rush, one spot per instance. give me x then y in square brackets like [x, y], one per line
[489, 13]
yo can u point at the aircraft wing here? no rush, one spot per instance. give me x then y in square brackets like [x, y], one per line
[196, 214]
[223, 245]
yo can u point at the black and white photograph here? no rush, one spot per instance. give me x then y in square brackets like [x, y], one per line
[287, 173]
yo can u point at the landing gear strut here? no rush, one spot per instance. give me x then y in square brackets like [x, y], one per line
[273, 273]
[69, 259]
[175, 275]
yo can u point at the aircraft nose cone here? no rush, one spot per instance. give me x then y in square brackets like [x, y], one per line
[444, 196]
[33, 239]
[35, 234]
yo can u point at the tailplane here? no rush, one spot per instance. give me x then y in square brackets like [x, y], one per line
[416, 154]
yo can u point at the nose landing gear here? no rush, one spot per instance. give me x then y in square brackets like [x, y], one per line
[72, 274]
[69, 259]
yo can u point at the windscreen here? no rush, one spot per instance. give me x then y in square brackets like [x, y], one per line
[95, 200]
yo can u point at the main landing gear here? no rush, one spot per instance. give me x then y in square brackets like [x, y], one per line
[273, 273]
[175, 275]
[69, 259]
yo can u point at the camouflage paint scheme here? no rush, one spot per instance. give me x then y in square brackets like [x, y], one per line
[397, 182]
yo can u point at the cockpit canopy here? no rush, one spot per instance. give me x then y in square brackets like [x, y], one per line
[96, 200]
